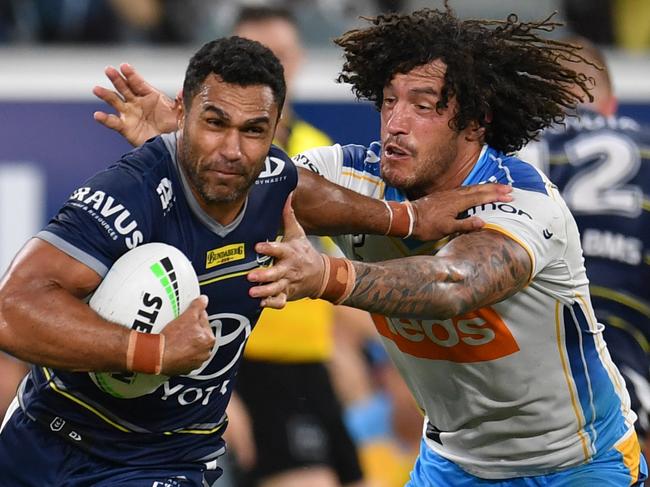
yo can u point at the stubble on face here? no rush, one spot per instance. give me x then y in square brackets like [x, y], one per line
[419, 148]
[427, 166]
[200, 172]
[225, 139]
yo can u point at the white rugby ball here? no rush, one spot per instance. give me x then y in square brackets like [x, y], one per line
[145, 289]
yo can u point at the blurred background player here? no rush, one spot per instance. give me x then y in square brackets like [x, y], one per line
[601, 163]
[285, 395]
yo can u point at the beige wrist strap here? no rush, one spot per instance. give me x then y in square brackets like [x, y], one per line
[339, 278]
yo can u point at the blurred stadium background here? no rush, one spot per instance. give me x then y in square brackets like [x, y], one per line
[52, 52]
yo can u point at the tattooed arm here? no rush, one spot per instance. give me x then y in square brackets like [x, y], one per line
[470, 272]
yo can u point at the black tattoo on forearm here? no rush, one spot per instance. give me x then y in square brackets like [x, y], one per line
[472, 271]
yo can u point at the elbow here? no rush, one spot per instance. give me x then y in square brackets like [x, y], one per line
[9, 303]
[14, 308]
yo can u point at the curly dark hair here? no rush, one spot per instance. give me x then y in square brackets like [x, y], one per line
[237, 61]
[505, 76]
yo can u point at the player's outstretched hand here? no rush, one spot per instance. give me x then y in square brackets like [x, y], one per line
[188, 339]
[142, 110]
[298, 268]
[436, 213]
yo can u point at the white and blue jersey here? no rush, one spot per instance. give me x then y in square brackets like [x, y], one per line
[146, 198]
[602, 167]
[525, 386]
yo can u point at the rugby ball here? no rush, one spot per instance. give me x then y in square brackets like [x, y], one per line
[145, 289]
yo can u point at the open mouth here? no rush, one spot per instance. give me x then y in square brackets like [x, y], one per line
[393, 150]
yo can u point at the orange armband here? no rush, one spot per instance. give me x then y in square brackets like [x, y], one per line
[401, 219]
[145, 352]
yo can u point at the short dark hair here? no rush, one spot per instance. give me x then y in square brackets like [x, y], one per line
[261, 13]
[236, 61]
[504, 75]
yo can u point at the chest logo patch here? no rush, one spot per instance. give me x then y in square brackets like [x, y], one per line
[476, 336]
[223, 255]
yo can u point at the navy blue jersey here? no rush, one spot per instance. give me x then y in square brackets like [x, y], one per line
[602, 166]
[145, 198]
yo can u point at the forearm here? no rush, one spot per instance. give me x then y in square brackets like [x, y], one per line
[413, 287]
[470, 272]
[325, 208]
[49, 326]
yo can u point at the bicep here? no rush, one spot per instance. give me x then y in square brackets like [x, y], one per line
[40, 265]
[494, 266]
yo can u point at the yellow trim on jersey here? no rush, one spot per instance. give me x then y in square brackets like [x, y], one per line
[81, 403]
[611, 372]
[630, 449]
[646, 204]
[354, 175]
[507, 233]
[630, 302]
[196, 432]
[569, 380]
[225, 276]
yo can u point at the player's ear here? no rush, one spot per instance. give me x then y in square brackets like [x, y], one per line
[180, 114]
[475, 132]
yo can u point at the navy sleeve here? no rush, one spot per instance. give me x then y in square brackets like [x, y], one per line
[110, 214]
[280, 164]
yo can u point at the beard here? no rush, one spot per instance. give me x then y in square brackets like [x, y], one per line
[205, 182]
[427, 166]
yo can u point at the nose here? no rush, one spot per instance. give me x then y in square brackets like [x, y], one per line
[396, 119]
[230, 147]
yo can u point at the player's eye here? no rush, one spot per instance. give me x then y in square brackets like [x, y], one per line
[254, 130]
[216, 122]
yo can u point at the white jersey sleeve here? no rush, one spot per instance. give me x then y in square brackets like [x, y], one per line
[325, 161]
[532, 221]
[353, 166]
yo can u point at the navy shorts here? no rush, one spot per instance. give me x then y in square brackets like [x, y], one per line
[33, 456]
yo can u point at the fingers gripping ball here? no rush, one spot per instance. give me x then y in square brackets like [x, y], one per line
[145, 289]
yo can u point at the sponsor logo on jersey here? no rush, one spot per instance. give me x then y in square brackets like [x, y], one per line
[166, 195]
[272, 172]
[164, 271]
[547, 233]
[503, 207]
[303, 161]
[476, 336]
[223, 255]
[114, 218]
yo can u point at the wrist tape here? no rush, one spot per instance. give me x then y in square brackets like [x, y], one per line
[145, 352]
[338, 279]
[401, 219]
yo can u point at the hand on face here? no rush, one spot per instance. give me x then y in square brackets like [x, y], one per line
[298, 268]
[436, 213]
